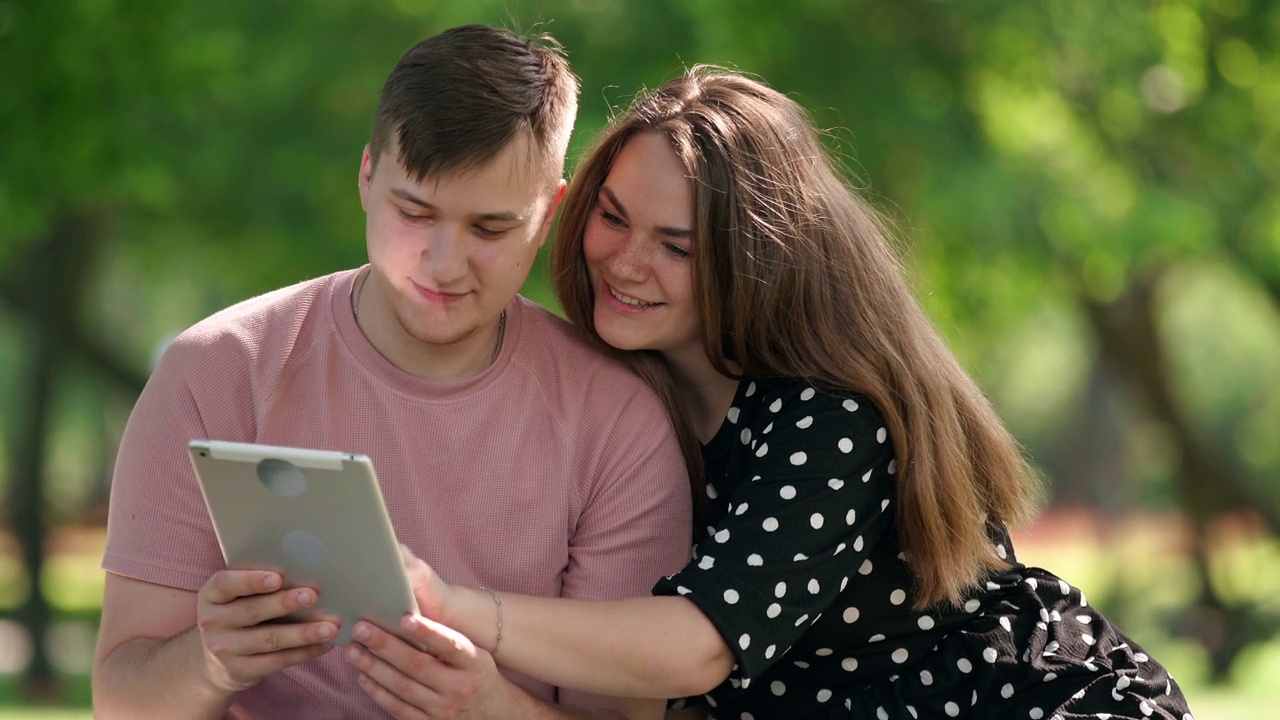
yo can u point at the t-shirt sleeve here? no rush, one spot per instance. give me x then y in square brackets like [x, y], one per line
[814, 498]
[158, 528]
[636, 520]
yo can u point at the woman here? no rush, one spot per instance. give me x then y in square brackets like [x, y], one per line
[855, 561]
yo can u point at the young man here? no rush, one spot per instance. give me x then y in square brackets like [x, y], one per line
[512, 457]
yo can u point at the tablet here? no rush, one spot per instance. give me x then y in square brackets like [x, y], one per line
[315, 516]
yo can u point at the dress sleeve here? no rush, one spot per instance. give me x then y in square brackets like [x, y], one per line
[813, 498]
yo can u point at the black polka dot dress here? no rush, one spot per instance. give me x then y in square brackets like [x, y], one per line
[801, 572]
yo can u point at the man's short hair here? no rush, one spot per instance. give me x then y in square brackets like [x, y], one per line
[456, 99]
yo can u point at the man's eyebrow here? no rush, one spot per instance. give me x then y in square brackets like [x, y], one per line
[506, 216]
[682, 233]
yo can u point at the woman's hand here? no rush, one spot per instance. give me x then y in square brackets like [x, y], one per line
[435, 596]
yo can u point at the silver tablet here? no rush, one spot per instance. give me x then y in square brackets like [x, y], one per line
[317, 517]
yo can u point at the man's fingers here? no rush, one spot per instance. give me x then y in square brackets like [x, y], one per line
[267, 663]
[389, 701]
[450, 646]
[228, 585]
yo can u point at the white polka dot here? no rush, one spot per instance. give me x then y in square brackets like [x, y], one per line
[747, 716]
[972, 606]
[711, 491]
[799, 556]
[1064, 587]
[751, 390]
[744, 642]
[816, 520]
[1031, 583]
[1141, 657]
[762, 450]
[893, 466]
[805, 422]
[1123, 682]
[897, 597]
[773, 611]
[767, 429]
[1083, 619]
[990, 655]
[787, 492]
[1004, 623]
[835, 483]
[878, 637]
[807, 393]
[964, 665]
[707, 562]
[1036, 713]
[1006, 691]
[768, 652]
[881, 435]
[881, 714]
[733, 415]
[731, 596]
[850, 405]
[824, 652]
[899, 656]
[800, 620]
[845, 445]
[925, 622]
[722, 536]
[926, 677]
[884, 504]
[1050, 647]
[1050, 677]
[683, 590]
[776, 405]
[911, 709]
[1000, 551]
[740, 509]
[755, 560]
[770, 524]
[746, 436]
[952, 709]
[824, 695]
[777, 688]
[799, 458]
[851, 517]
[857, 544]
[849, 664]
[813, 586]
[839, 549]
[866, 476]
[843, 583]
[851, 614]
[801, 664]
[780, 589]
[865, 568]
[1088, 639]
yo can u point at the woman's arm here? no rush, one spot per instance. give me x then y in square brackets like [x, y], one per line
[658, 647]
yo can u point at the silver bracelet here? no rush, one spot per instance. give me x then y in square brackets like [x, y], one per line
[497, 601]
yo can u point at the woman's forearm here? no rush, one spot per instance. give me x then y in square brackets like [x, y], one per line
[660, 647]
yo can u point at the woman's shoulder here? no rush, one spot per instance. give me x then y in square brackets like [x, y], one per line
[770, 400]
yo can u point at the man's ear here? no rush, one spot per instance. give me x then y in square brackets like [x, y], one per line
[365, 177]
[550, 217]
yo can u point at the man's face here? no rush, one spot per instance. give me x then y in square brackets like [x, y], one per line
[450, 252]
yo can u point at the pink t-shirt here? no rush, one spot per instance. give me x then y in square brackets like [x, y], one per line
[554, 472]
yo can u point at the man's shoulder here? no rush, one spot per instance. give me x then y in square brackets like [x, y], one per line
[559, 349]
[270, 325]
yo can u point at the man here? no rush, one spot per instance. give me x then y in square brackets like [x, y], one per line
[512, 457]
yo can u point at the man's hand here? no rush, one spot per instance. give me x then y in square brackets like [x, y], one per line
[241, 646]
[448, 678]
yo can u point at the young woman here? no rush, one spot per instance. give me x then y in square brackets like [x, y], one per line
[854, 560]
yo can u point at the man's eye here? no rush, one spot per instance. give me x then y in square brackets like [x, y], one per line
[410, 216]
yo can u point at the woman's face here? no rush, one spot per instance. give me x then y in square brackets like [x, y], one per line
[637, 246]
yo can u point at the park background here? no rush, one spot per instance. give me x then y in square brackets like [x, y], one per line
[1085, 193]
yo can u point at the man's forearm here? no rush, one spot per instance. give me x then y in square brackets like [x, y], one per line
[157, 678]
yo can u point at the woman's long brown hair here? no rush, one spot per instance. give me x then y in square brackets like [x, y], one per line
[795, 277]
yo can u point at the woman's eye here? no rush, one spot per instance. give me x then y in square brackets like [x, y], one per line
[610, 218]
[677, 250]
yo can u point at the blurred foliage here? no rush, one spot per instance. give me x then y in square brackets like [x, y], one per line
[1085, 193]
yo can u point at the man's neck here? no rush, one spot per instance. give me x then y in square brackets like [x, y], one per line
[464, 358]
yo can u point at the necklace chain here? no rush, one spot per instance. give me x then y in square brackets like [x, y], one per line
[502, 319]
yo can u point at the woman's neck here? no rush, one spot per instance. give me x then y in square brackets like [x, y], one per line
[705, 394]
